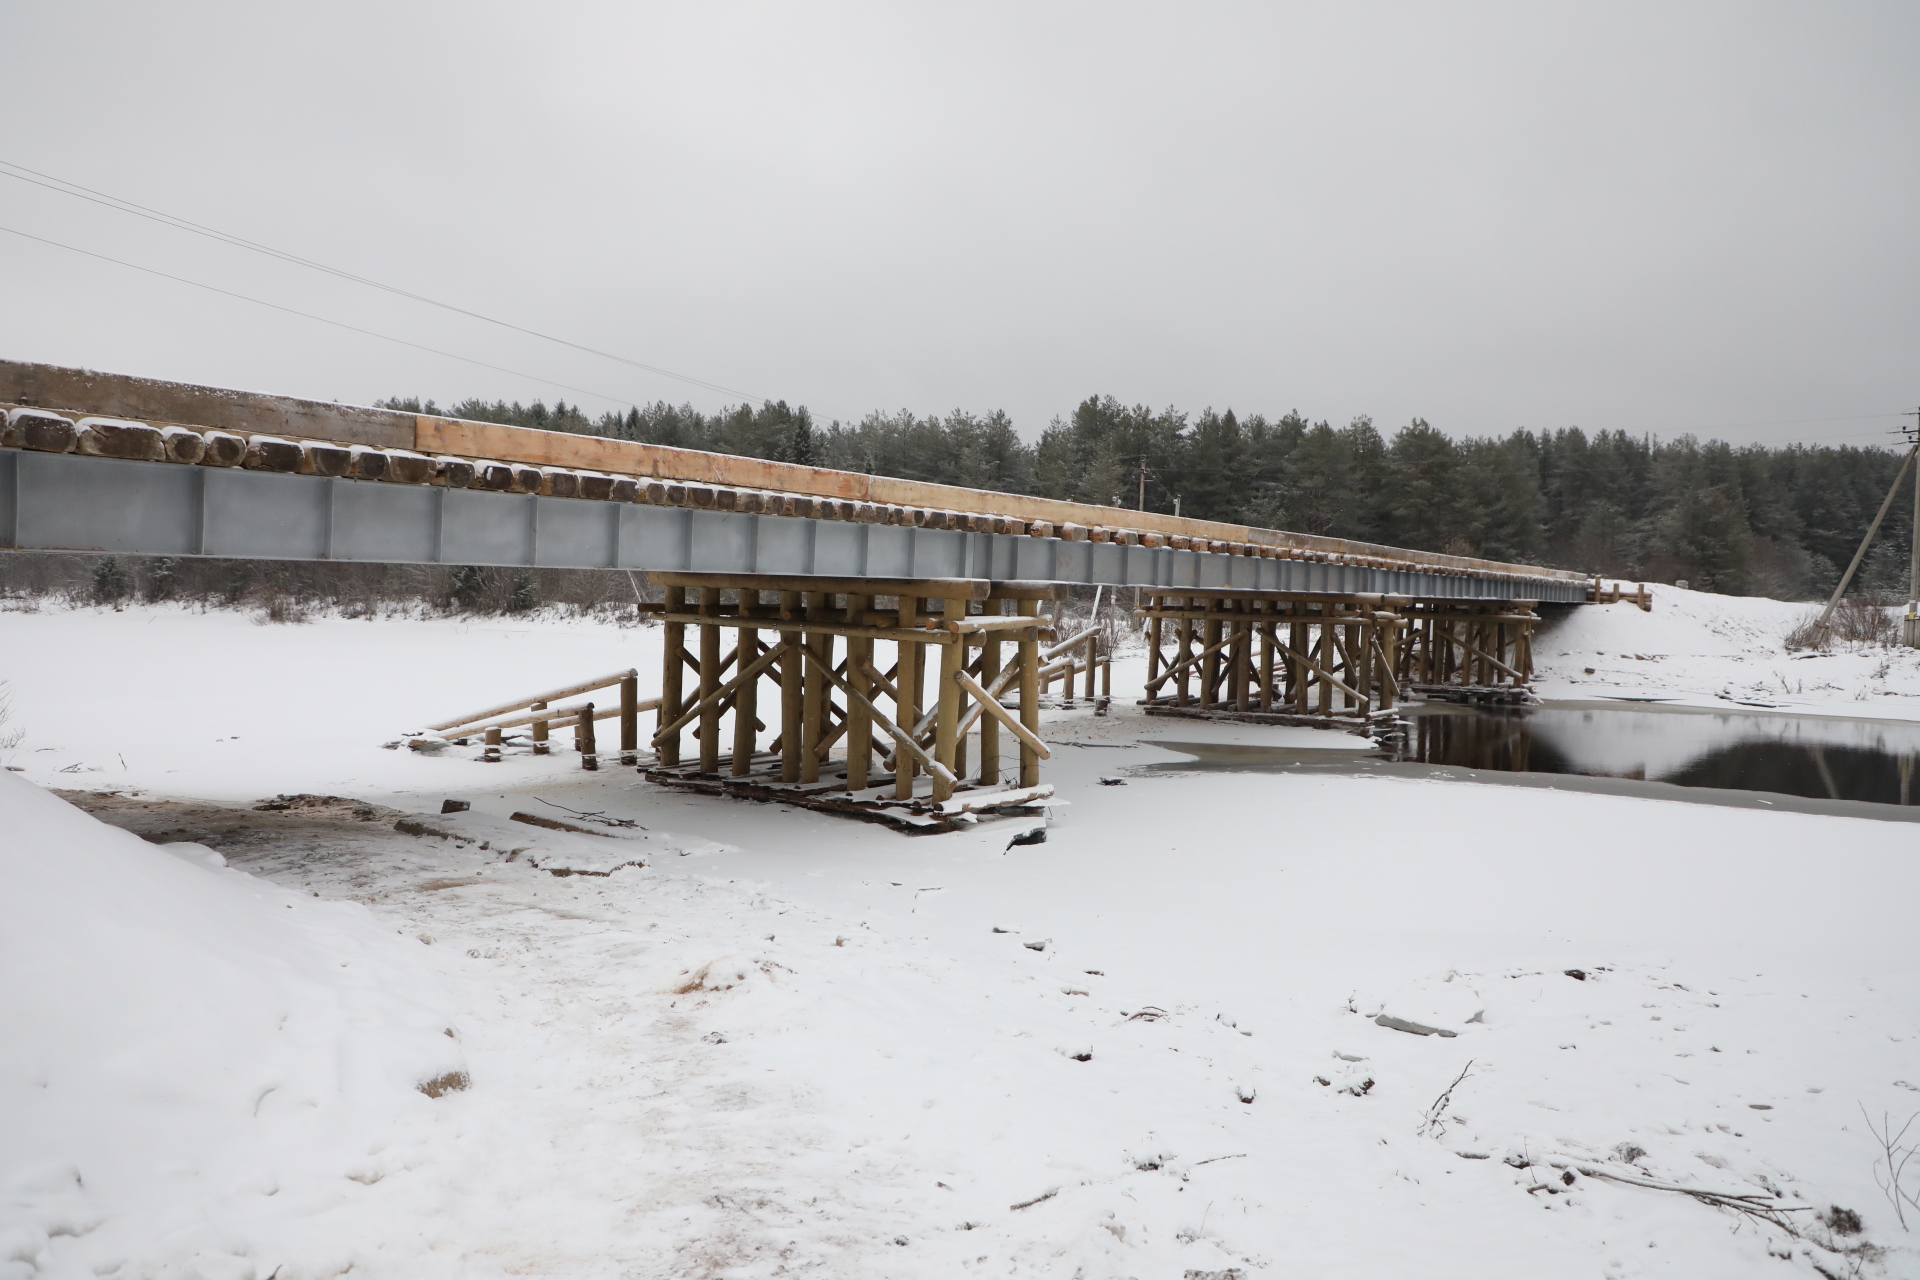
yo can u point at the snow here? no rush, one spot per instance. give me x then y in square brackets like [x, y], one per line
[1702, 650]
[741, 1040]
[191, 1054]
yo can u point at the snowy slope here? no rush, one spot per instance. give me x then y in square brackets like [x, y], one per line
[196, 1064]
[1699, 649]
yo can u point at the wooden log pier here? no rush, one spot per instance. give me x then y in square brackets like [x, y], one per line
[1296, 658]
[859, 731]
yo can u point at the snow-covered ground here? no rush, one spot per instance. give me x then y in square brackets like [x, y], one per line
[769, 1042]
[1697, 649]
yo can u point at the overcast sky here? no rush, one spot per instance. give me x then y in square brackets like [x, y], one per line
[1661, 217]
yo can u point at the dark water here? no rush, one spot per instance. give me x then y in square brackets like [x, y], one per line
[1875, 761]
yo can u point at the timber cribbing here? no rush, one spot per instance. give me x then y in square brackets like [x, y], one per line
[257, 431]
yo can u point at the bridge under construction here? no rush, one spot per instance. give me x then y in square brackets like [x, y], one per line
[807, 569]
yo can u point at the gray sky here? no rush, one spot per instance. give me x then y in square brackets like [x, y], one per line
[1660, 217]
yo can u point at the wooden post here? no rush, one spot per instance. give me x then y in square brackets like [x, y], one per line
[813, 713]
[746, 699]
[906, 708]
[630, 720]
[709, 681]
[1030, 695]
[1093, 657]
[1183, 661]
[1360, 653]
[1266, 663]
[540, 745]
[492, 753]
[589, 750]
[1210, 665]
[1390, 655]
[953, 660]
[990, 726]
[1242, 663]
[1325, 655]
[792, 690]
[1153, 650]
[1296, 665]
[859, 722]
[674, 644]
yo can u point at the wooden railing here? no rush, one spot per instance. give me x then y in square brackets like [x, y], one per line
[539, 712]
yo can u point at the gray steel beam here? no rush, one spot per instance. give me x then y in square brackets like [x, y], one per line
[69, 502]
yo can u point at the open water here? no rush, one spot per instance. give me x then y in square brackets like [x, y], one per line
[1871, 760]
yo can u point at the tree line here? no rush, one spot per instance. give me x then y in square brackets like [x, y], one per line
[1741, 520]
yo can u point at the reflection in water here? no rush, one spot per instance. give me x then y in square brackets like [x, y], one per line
[1828, 759]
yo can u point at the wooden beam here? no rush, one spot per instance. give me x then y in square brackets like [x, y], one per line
[906, 703]
[601, 682]
[989, 773]
[1029, 696]
[894, 731]
[667, 746]
[947, 711]
[792, 693]
[991, 705]
[746, 701]
[766, 659]
[932, 588]
[859, 725]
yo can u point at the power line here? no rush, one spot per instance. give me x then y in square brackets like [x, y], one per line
[20, 173]
[308, 315]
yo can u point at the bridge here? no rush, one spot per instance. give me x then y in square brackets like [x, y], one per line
[1244, 622]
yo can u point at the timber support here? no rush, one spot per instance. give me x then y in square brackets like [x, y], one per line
[858, 730]
[1328, 660]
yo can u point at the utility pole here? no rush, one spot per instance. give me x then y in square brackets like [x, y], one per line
[1910, 625]
[1822, 628]
[1143, 482]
